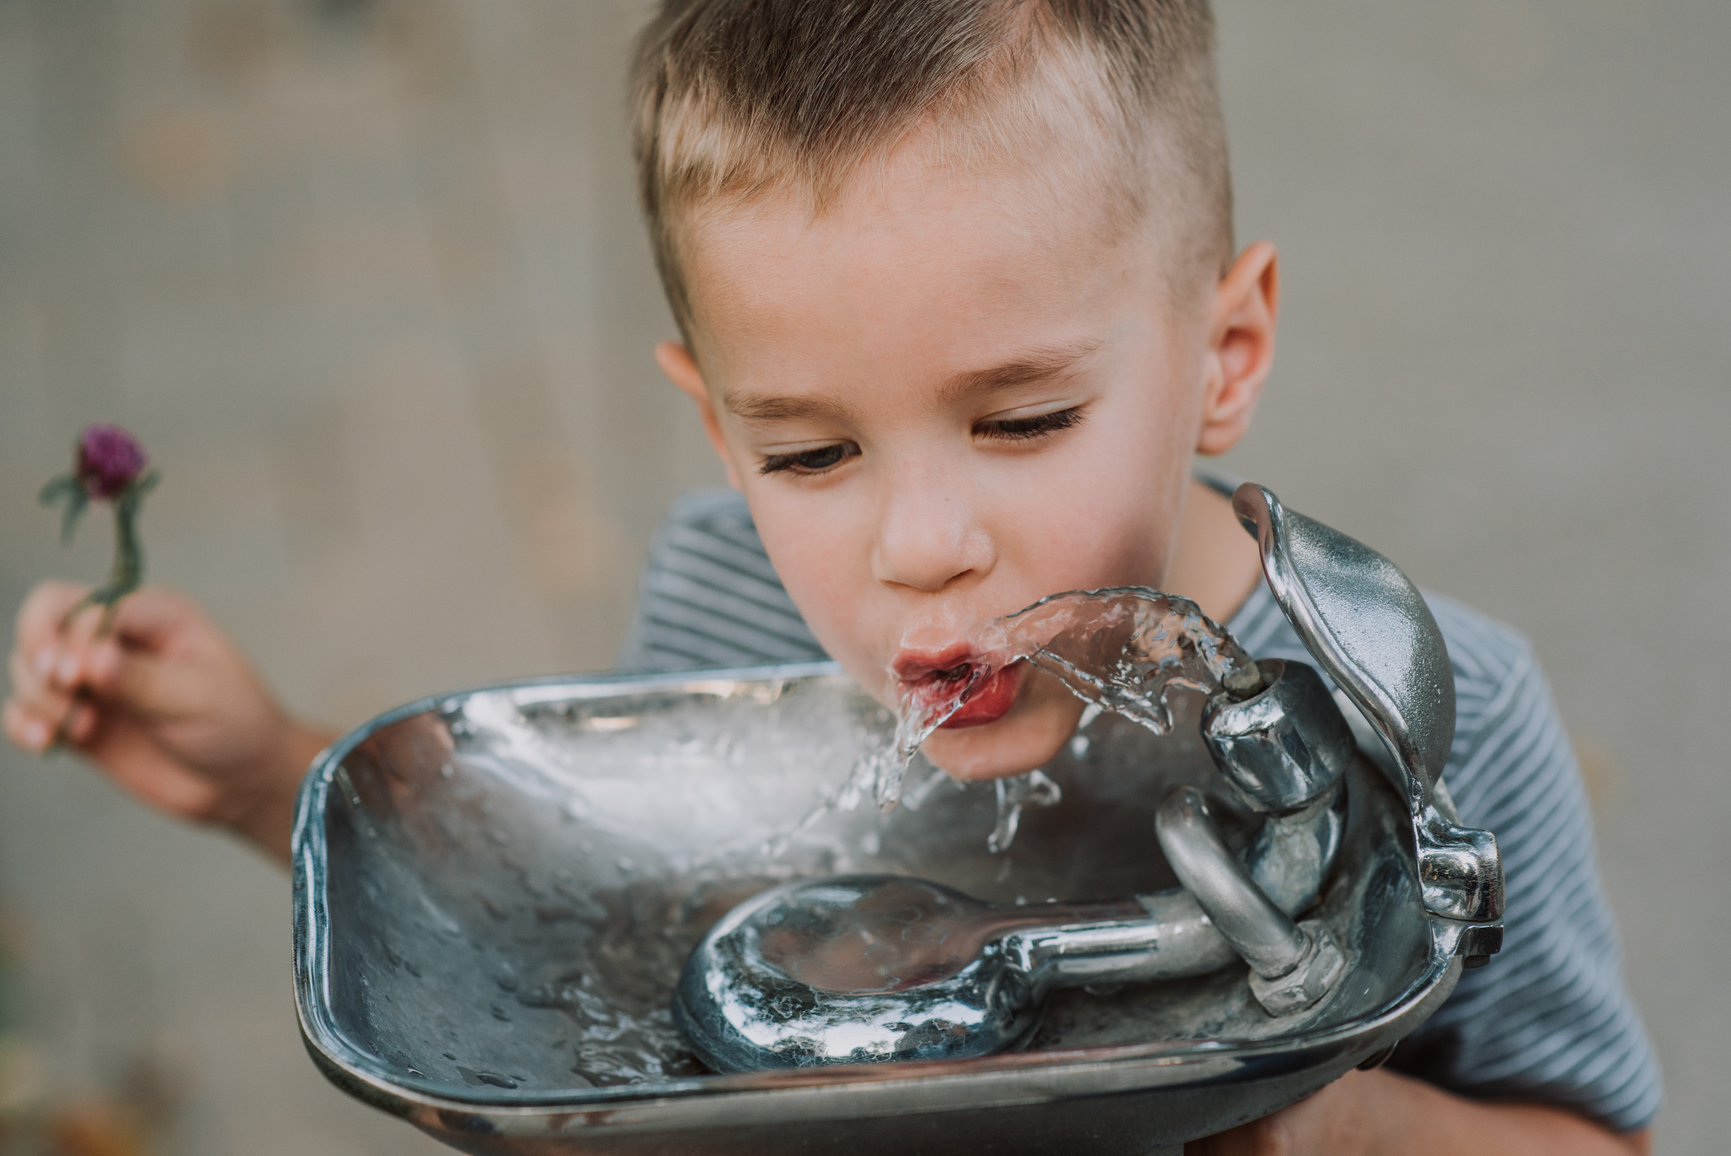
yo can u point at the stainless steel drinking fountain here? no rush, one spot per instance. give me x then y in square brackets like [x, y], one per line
[496, 890]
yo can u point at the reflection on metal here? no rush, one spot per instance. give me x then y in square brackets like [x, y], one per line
[495, 891]
[1292, 965]
[1282, 747]
[863, 969]
[1370, 629]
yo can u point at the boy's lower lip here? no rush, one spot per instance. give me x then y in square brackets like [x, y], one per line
[991, 700]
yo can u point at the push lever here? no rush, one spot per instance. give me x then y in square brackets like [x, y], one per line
[1370, 629]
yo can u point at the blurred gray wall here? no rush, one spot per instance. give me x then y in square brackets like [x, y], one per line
[368, 281]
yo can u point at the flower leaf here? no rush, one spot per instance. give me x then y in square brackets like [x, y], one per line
[57, 489]
[68, 489]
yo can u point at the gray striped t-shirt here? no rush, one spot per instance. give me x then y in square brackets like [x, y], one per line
[1548, 1021]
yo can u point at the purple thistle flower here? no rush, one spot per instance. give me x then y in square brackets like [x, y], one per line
[109, 460]
[108, 466]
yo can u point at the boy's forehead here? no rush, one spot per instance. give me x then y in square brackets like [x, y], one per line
[911, 247]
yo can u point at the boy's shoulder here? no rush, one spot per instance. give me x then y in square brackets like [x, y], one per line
[1549, 1020]
[1490, 658]
[708, 596]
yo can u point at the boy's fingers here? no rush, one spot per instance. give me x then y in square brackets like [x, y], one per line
[79, 724]
[68, 655]
[37, 713]
[54, 647]
[44, 608]
[25, 729]
[103, 665]
[61, 663]
[28, 672]
[35, 693]
[38, 638]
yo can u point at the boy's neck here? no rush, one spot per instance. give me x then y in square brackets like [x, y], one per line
[1214, 562]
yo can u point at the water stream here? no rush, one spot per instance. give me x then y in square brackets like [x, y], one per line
[1124, 649]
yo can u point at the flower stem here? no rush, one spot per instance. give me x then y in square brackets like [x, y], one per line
[127, 572]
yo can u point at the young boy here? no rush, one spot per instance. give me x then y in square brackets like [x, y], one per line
[960, 303]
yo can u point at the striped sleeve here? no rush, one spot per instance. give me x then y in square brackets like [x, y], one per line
[1549, 1020]
[709, 598]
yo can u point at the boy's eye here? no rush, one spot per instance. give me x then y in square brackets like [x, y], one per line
[817, 461]
[1015, 429]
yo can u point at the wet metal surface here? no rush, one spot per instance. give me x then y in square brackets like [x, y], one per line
[488, 882]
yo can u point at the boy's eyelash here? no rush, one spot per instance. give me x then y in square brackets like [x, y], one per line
[1017, 429]
[818, 461]
[1012, 429]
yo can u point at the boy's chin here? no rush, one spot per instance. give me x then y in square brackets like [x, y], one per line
[1024, 740]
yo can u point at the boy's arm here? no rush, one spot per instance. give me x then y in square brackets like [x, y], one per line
[1383, 1113]
[165, 705]
[1529, 1051]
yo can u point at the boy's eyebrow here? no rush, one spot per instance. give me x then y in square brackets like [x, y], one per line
[766, 407]
[1029, 368]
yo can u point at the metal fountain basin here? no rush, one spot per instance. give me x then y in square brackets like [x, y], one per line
[488, 884]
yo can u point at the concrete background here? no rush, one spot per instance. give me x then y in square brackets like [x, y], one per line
[368, 280]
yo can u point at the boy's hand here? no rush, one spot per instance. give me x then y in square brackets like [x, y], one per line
[1383, 1113]
[165, 705]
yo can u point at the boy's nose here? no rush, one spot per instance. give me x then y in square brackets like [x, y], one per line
[928, 536]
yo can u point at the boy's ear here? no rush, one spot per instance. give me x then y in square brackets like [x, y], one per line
[681, 369]
[1240, 346]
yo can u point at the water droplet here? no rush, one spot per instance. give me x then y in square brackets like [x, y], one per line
[476, 1078]
[1015, 794]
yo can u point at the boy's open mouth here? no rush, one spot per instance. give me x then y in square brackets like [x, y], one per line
[935, 679]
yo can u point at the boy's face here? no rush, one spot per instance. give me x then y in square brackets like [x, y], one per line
[948, 396]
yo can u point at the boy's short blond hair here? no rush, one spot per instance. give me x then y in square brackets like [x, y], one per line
[732, 99]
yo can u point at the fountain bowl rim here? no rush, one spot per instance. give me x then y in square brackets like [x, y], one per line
[831, 1092]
